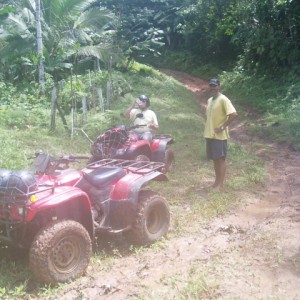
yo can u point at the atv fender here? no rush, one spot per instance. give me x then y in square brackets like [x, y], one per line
[158, 147]
[121, 208]
[129, 186]
[63, 202]
[140, 147]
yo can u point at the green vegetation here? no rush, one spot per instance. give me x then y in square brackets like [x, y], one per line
[277, 101]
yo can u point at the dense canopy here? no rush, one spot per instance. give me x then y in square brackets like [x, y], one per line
[259, 35]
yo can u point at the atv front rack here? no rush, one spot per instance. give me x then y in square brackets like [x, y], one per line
[138, 167]
[13, 200]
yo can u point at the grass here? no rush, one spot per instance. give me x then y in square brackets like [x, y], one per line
[277, 100]
[178, 113]
[198, 286]
[195, 283]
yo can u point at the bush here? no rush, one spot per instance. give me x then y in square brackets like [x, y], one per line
[23, 117]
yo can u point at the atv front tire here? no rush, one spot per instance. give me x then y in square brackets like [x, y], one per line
[152, 219]
[60, 252]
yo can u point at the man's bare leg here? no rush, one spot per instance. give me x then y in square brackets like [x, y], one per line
[217, 179]
[220, 171]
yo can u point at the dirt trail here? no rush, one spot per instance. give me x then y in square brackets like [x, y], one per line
[256, 247]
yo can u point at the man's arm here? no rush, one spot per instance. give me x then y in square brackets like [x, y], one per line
[129, 109]
[229, 120]
[154, 124]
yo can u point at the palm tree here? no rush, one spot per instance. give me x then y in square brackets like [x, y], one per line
[70, 30]
[39, 41]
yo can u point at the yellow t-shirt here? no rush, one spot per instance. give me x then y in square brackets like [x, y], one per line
[217, 112]
[149, 117]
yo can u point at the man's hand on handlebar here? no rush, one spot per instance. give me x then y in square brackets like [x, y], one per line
[153, 126]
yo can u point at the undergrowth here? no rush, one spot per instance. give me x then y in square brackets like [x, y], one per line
[274, 101]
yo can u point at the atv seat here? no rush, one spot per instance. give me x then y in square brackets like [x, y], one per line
[104, 176]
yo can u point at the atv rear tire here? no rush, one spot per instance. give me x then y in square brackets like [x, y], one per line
[60, 252]
[152, 219]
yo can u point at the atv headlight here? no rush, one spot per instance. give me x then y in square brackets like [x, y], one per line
[20, 211]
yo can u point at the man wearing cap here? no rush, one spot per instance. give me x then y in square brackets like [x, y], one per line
[140, 114]
[219, 115]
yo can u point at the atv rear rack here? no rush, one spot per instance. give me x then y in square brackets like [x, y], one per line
[138, 167]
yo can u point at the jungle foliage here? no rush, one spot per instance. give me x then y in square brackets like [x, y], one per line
[258, 36]
[252, 44]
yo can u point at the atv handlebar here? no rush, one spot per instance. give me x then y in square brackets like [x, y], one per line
[62, 163]
[134, 127]
[65, 159]
[44, 163]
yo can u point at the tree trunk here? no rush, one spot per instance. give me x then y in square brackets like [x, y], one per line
[39, 38]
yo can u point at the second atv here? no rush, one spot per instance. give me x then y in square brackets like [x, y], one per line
[121, 142]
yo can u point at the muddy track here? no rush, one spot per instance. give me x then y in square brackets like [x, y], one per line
[252, 253]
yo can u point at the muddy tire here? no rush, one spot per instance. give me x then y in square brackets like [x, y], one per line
[152, 219]
[169, 160]
[60, 252]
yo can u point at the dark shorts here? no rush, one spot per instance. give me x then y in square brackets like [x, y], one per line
[216, 149]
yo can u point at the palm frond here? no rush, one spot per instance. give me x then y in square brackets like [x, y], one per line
[4, 34]
[28, 16]
[61, 9]
[16, 24]
[86, 51]
[82, 37]
[15, 48]
[29, 4]
[95, 19]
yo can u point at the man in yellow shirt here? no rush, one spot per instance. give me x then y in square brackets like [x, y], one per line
[219, 114]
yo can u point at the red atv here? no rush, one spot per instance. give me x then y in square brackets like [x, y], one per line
[55, 211]
[121, 142]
